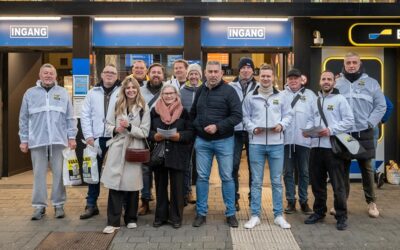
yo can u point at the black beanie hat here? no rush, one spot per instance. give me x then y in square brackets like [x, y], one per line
[245, 61]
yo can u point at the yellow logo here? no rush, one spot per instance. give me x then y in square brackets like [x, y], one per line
[330, 107]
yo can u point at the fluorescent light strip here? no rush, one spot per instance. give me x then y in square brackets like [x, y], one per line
[26, 18]
[134, 19]
[250, 19]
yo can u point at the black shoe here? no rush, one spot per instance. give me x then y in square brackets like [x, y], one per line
[341, 224]
[159, 223]
[380, 180]
[291, 208]
[176, 225]
[232, 221]
[314, 218]
[237, 206]
[89, 212]
[306, 209]
[200, 220]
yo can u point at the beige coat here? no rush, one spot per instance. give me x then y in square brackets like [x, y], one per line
[119, 174]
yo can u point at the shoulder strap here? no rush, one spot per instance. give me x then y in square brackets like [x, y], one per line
[154, 99]
[321, 112]
[297, 97]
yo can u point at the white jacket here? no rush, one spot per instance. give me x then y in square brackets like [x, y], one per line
[176, 83]
[259, 112]
[338, 114]
[147, 95]
[93, 119]
[302, 110]
[46, 118]
[366, 100]
[238, 88]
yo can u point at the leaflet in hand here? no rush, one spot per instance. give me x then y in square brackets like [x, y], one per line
[313, 131]
[166, 133]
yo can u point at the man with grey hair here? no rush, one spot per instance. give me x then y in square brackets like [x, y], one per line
[365, 97]
[46, 127]
[139, 71]
[215, 112]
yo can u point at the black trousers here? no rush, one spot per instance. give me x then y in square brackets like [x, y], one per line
[368, 181]
[241, 138]
[169, 209]
[322, 162]
[114, 209]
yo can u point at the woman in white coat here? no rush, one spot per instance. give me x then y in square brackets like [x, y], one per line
[129, 124]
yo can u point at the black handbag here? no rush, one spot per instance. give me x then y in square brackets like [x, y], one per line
[157, 155]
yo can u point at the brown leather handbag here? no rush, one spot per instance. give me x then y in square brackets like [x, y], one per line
[138, 155]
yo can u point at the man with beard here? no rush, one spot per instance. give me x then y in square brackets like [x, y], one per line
[97, 104]
[139, 71]
[243, 84]
[368, 104]
[150, 91]
[180, 67]
[333, 113]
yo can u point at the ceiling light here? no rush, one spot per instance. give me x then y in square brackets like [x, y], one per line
[249, 19]
[134, 19]
[25, 18]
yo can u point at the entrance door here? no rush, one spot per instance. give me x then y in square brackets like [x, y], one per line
[23, 71]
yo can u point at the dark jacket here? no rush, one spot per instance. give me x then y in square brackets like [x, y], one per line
[177, 154]
[220, 106]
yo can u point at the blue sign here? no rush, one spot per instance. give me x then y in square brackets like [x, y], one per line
[28, 33]
[80, 85]
[138, 33]
[130, 58]
[80, 66]
[251, 34]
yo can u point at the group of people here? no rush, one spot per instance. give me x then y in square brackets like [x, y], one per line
[211, 118]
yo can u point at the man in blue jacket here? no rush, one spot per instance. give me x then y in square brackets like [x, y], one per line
[215, 112]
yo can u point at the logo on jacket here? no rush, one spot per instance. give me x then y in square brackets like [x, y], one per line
[303, 98]
[275, 102]
[56, 97]
[330, 107]
[361, 83]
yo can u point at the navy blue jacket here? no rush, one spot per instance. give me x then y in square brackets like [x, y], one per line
[220, 106]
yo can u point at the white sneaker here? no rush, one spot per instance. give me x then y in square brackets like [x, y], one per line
[332, 211]
[131, 225]
[373, 210]
[109, 229]
[280, 221]
[254, 221]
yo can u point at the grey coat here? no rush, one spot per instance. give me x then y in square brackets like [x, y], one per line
[119, 174]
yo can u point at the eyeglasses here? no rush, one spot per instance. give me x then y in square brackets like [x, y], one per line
[169, 93]
[110, 72]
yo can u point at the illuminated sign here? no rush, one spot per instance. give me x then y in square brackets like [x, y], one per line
[375, 34]
[246, 33]
[17, 31]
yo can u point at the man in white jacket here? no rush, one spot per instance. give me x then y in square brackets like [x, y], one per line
[98, 103]
[180, 68]
[46, 126]
[297, 148]
[368, 104]
[266, 113]
[337, 118]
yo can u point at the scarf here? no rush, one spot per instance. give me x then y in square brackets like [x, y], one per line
[169, 114]
[265, 92]
[245, 84]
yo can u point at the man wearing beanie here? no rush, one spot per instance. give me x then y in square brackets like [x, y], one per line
[297, 147]
[368, 103]
[243, 84]
[188, 92]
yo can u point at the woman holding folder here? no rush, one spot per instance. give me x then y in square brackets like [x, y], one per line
[170, 124]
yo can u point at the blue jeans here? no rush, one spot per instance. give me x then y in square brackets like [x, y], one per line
[258, 155]
[296, 157]
[94, 189]
[205, 151]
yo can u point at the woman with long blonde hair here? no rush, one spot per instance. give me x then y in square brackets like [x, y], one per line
[129, 124]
